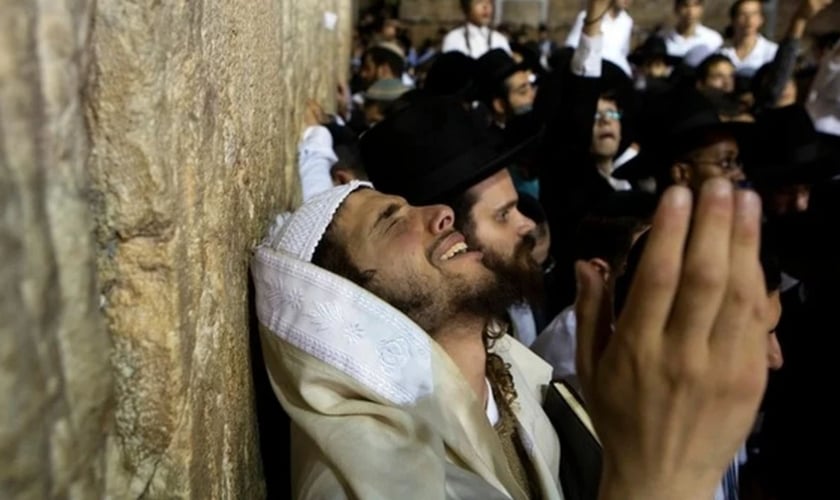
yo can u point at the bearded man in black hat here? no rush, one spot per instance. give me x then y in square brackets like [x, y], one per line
[504, 86]
[690, 145]
[435, 151]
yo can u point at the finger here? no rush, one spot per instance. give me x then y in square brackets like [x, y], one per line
[741, 319]
[654, 285]
[706, 264]
[593, 313]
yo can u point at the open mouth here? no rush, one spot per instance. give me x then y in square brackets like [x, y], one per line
[606, 135]
[450, 247]
[454, 250]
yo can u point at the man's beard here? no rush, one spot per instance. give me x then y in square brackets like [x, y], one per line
[519, 274]
[433, 307]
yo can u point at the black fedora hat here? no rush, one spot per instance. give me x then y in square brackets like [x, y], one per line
[682, 122]
[452, 73]
[431, 150]
[653, 48]
[491, 70]
[790, 150]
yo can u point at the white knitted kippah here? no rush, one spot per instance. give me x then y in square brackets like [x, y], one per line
[298, 233]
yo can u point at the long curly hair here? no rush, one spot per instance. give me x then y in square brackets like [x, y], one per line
[496, 368]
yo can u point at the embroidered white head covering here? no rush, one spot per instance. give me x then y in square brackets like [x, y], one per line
[298, 233]
[331, 318]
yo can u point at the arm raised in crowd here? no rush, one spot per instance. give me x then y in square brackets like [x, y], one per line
[771, 86]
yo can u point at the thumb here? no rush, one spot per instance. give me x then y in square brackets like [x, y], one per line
[593, 309]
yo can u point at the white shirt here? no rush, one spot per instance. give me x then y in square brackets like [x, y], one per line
[475, 44]
[524, 325]
[558, 342]
[739, 460]
[763, 52]
[315, 159]
[586, 61]
[678, 45]
[824, 99]
[492, 408]
[616, 32]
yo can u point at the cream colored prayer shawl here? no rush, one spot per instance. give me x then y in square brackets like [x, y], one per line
[378, 409]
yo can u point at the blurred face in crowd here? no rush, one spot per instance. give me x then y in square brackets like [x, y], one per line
[721, 76]
[521, 93]
[719, 158]
[748, 18]
[368, 72]
[606, 133]
[542, 236]
[480, 12]
[656, 68]
[689, 12]
[621, 4]
[373, 112]
[389, 29]
[788, 199]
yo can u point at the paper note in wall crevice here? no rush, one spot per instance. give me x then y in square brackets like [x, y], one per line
[330, 20]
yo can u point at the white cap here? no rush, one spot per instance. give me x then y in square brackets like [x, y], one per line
[298, 233]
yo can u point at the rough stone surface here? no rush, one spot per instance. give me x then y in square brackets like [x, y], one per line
[523, 12]
[144, 147]
[55, 378]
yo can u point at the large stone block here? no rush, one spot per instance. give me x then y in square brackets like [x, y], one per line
[523, 12]
[438, 11]
[55, 376]
[144, 147]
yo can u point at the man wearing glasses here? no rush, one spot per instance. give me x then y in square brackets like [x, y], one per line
[691, 145]
[606, 140]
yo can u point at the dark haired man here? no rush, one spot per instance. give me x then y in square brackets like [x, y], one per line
[748, 49]
[689, 32]
[692, 145]
[475, 37]
[504, 86]
[382, 62]
[716, 72]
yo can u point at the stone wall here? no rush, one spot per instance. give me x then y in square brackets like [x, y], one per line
[55, 377]
[144, 146]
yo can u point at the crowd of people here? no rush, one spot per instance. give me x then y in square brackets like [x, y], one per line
[491, 222]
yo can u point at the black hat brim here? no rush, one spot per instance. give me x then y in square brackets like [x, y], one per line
[811, 172]
[470, 168]
[639, 58]
[653, 158]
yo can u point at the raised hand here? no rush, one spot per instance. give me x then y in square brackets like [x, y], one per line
[810, 8]
[674, 390]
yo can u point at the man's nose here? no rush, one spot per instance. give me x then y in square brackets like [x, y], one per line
[441, 218]
[526, 225]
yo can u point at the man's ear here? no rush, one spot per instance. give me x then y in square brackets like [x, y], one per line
[341, 176]
[681, 173]
[602, 266]
[499, 106]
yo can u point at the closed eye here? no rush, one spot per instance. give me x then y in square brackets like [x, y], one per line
[387, 215]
